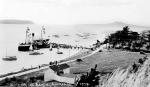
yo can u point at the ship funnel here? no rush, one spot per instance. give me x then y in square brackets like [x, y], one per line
[33, 37]
[33, 34]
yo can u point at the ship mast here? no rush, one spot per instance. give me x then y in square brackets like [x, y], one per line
[27, 31]
[33, 37]
[42, 32]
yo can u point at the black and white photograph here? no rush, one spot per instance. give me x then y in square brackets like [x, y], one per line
[74, 43]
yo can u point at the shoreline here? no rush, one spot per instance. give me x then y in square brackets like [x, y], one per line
[43, 65]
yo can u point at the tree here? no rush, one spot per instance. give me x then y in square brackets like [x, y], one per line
[122, 38]
[145, 35]
[119, 37]
[91, 79]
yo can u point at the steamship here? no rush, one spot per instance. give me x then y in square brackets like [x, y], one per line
[35, 43]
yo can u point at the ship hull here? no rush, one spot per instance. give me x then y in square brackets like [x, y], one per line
[24, 48]
[43, 46]
[41, 43]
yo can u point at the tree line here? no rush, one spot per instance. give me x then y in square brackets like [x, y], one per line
[128, 39]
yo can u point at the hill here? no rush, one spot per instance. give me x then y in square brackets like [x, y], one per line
[15, 21]
[109, 27]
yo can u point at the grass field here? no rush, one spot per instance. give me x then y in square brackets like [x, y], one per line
[107, 61]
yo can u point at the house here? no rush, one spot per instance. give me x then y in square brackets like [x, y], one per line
[60, 69]
[51, 75]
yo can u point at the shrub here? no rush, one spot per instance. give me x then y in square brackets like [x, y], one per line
[91, 79]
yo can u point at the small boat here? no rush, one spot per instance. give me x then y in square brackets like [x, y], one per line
[66, 35]
[50, 49]
[59, 52]
[85, 38]
[10, 58]
[35, 53]
[56, 36]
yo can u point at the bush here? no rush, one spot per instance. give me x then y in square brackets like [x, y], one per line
[91, 79]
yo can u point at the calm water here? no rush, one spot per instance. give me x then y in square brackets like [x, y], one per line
[12, 34]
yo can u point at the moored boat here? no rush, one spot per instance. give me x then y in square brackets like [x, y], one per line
[34, 43]
[10, 58]
[25, 46]
[41, 42]
[35, 53]
[59, 52]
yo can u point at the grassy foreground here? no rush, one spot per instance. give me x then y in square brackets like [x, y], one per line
[130, 78]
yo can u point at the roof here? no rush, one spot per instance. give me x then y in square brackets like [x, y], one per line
[59, 67]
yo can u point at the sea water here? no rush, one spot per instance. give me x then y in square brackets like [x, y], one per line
[13, 34]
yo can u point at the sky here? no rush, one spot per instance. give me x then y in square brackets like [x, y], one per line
[77, 11]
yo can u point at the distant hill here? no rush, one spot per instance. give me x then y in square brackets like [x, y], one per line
[126, 24]
[14, 21]
[108, 27]
[116, 23]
